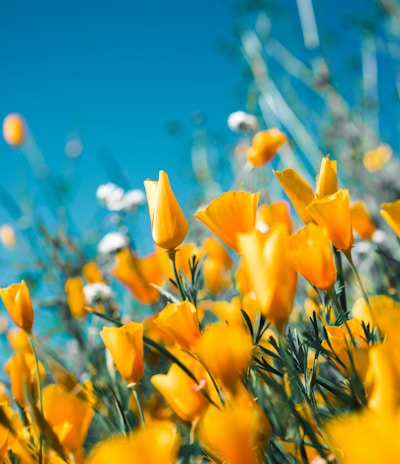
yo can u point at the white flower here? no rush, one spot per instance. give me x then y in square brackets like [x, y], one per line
[112, 242]
[239, 121]
[96, 291]
[133, 198]
[111, 196]
[379, 236]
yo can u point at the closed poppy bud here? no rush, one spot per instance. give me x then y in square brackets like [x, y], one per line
[180, 393]
[180, 321]
[168, 223]
[226, 351]
[230, 214]
[17, 300]
[92, 273]
[311, 256]
[333, 212]
[361, 220]
[391, 213]
[64, 408]
[76, 297]
[327, 182]
[299, 191]
[125, 345]
[14, 129]
[271, 274]
[265, 146]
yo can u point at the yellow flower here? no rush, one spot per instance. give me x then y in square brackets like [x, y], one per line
[327, 183]
[361, 220]
[21, 369]
[333, 212]
[226, 351]
[19, 340]
[5, 435]
[391, 213]
[300, 192]
[92, 273]
[180, 393]
[138, 274]
[17, 300]
[180, 321]
[264, 146]
[7, 236]
[236, 434]
[311, 256]
[14, 129]
[125, 345]
[375, 159]
[76, 297]
[63, 409]
[273, 278]
[168, 223]
[216, 266]
[230, 214]
[275, 213]
[157, 443]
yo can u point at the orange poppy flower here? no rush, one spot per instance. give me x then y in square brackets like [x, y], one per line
[17, 300]
[14, 129]
[391, 213]
[265, 146]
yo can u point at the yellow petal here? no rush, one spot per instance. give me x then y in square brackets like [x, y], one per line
[391, 213]
[298, 190]
[361, 220]
[333, 212]
[230, 214]
[17, 300]
[327, 182]
[265, 146]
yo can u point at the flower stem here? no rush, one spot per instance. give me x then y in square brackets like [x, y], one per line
[136, 395]
[39, 386]
[341, 280]
[178, 281]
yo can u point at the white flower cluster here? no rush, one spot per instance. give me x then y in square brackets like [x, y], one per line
[97, 291]
[112, 242]
[115, 198]
[239, 121]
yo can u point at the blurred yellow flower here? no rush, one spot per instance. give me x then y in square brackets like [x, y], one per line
[18, 340]
[226, 351]
[275, 213]
[168, 223]
[125, 345]
[180, 321]
[92, 273]
[14, 129]
[138, 274]
[157, 443]
[75, 297]
[62, 410]
[264, 146]
[333, 212]
[180, 393]
[361, 220]
[391, 213]
[311, 255]
[273, 278]
[21, 369]
[17, 300]
[216, 266]
[7, 236]
[230, 214]
[236, 434]
[374, 160]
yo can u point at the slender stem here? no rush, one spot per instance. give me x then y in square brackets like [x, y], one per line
[172, 256]
[39, 386]
[340, 275]
[136, 395]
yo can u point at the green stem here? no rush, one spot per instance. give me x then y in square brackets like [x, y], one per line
[39, 386]
[172, 257]
[341, 280]
[136, 395]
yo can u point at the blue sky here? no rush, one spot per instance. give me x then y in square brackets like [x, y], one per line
[115, 73]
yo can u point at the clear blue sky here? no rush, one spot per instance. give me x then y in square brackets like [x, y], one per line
[115, 72]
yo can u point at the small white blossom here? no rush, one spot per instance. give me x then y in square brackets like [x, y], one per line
[239, 121]
[379, 236]
[97, 291]
[133, 198]
[112, 242]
